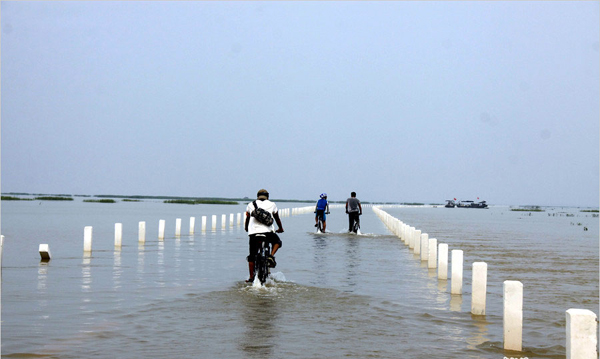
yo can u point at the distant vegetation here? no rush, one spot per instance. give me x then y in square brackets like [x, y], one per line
[199, 201]
[53, 198]
[527, 210]
[131, 200]
[590, 210]
[105, 200]
[11, 198]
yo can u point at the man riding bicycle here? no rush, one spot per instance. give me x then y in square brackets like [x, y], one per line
[353, 209]
[259, 232]
[321, 209]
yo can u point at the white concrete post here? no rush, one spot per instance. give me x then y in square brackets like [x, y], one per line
[118, 235]
[513, 315]
[417, 241]
[87, 239]
[214, 222]
[161, 229]
[432, 258]
[223, 221]
[45, 252]
[203, 223]
[142, 232]
[230, 219]
[443, 261]
[192, 225]
[457, 272]
[582, 338]
[177, 227]
[479, 288]
[239, 219]
[424, 246]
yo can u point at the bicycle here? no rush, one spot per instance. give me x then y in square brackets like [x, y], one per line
[261, 265]
[320, 224]
[356, 224]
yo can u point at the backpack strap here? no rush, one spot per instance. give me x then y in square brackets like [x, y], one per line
[255, 206]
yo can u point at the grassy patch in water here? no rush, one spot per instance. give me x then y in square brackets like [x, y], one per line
[131, 200]
[527, 210]
[590, 210]
[11, 198]
[198, 201]
[53, 198]
[104, 200]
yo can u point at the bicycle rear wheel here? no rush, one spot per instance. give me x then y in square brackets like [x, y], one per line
[356, 226]
[320, 226]
[262, 266]
[263, 270]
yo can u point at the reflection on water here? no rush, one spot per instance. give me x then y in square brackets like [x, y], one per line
[456, 302]
[140, 262]
[87, 292]
[352, 259]
[42, 276]
[86, 273]
[320, 260]
[42, 289]
[191, 259]
[117, 271]
[439, 287]
[260, 316]
[479, 336]
[177, 255]
[432, 273]
[161, 263]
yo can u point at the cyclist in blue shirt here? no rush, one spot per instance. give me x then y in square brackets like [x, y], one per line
[321, 209]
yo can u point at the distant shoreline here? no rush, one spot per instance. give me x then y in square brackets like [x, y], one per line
[11, 196]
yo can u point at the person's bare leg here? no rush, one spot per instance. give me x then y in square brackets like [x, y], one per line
[275, 248]
[251, 270]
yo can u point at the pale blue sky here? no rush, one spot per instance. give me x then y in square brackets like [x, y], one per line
[398, 101]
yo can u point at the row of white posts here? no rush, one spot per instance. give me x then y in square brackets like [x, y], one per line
[87, 240]
[44, 249]
[581, 329]
[87, 237]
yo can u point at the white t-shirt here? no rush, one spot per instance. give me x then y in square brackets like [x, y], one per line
[255, 226]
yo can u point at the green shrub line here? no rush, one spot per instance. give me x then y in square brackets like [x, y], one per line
[527, 210]
[11, 198]
[590, 210]
[106, 200]
[198, 201]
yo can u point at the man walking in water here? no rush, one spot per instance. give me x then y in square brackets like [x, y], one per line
[353, 209]
[258, 231]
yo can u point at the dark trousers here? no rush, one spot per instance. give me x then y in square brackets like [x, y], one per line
[352, 216]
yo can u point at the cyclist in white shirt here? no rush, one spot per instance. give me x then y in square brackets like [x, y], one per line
[264, 232]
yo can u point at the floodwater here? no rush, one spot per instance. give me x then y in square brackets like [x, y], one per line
[332, 295]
